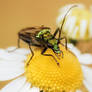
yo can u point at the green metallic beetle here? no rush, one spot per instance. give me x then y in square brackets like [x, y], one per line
[42, 37]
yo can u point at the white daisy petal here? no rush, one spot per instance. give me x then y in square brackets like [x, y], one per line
[25, 88]
[67, 24]
[74, 50]
[34, 89]
[11, 48]
[85, 58]
[72, 24]
[83, 28]
[21, 51]
[78, 91]
[87, 72]
[15, 85]
[67, 7]
[74, 33]
[89, 87]
[10, 70]
[64, 10]
[59, 19]
[4, 55]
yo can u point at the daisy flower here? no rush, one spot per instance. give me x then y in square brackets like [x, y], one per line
[43, 73]
[78, 23]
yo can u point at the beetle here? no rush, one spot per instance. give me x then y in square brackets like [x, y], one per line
[42, 37]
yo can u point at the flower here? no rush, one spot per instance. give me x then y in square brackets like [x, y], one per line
[12, 66]
[78, 23]
[43, 72]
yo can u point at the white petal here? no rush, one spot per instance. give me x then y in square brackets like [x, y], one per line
[11, 48]
[21, 51]
[83, 28]
[88, 86]
[74, 33]
[71, 25]
[34, 89]
[63, 11]
[67, 7]
[10, 70]
[15, 85]
[78, 91]
[25, 88]
[67, 24]
[87, 72]
[90, 28]
[4, 55]
[59, 19]
[12, 63]
[74, 49]
[85, 58]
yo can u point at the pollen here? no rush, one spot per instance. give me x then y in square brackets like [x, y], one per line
[43, 71]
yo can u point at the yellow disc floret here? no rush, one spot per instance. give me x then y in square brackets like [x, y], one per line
[43, 71]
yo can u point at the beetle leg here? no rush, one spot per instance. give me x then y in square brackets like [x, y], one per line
[65, 42]
[32, 54]
[49, 55]
[56, 31]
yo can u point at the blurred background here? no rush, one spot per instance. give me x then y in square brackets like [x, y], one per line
[17, 14]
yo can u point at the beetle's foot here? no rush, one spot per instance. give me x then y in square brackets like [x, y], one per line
[58, 64]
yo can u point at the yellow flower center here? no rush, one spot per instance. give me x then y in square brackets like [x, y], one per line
[43, 71]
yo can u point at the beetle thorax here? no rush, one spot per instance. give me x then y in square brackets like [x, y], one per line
[47, 38]
[55, 47]
[44, 35]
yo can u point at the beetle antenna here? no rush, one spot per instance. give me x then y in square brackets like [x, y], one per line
[64, 20]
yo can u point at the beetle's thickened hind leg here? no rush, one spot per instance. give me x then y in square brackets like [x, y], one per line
[31, 56]
[49, 55]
